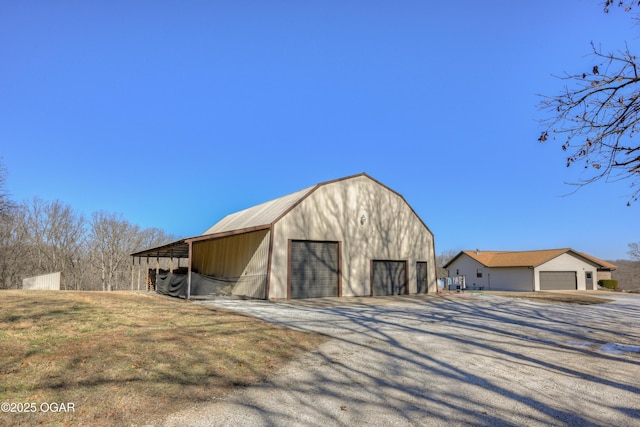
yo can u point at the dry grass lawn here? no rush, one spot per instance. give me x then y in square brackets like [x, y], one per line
[126, 358]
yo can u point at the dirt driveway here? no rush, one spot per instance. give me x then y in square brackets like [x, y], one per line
[480, 360]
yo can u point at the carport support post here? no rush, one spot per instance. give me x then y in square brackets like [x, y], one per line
[146, 274]
[139, 271]
[189, 271]
[133, 269]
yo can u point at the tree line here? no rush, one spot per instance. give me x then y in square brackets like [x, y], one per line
[92, 253]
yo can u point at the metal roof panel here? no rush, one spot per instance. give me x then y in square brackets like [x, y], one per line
[259, 215]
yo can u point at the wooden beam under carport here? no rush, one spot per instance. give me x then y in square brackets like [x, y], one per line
[188, 296]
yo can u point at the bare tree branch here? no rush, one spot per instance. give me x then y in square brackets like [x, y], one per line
[597, 117]
[5, 203]
[634, 250]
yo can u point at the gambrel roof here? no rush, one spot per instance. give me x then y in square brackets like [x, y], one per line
[255, 218]
[263, 215]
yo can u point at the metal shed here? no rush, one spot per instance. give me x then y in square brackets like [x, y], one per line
[332, 239]
[43, 282]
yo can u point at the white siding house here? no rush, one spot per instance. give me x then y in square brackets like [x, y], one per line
[554, 269]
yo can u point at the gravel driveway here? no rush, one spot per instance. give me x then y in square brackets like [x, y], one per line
[480, 360]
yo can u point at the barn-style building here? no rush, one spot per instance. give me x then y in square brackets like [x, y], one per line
[348, 237]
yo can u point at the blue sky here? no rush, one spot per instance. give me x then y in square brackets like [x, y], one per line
[178, 113]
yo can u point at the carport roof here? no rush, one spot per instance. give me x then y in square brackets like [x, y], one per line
[255, 218]
[499, 259]
[177, 249]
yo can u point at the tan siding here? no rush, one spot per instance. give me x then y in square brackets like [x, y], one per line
[253, 279]
[227, 256]
[391, 231]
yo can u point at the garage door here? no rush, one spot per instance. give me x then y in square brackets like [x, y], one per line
[421, 273]
[389, 277]
[558, 280]
[314, 269]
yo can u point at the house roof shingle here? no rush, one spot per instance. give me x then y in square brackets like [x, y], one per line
[499, 259]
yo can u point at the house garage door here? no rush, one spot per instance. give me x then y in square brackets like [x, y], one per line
[558, 280]
[389, 277]
[314, 269]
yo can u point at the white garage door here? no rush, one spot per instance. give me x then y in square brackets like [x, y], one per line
[558, 281]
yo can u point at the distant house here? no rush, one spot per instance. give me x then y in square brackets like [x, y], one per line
[541, 270]
[349, 237]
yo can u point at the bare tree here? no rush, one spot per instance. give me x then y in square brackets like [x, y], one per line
[634, 250]
[441, 259]
[597, 116]
[112, 239]
[55, 236]
[13, 248]
[5, 202]
[43, 237]
[628, 271]
[151, 237]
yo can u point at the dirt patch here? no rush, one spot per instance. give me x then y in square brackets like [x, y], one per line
[122, 358]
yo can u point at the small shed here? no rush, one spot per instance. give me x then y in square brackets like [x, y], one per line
[538, 270]
[352, 236]
[43, 282]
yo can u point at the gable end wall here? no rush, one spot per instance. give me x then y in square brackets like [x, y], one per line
[569, 262]
[333, 212]
[496, 279]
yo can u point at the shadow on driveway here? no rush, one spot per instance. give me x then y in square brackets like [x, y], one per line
[467, 359]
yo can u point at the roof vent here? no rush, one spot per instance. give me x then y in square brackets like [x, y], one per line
[477, 251]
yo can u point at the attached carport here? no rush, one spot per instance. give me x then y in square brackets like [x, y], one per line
[174, 254]
[218, 264]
